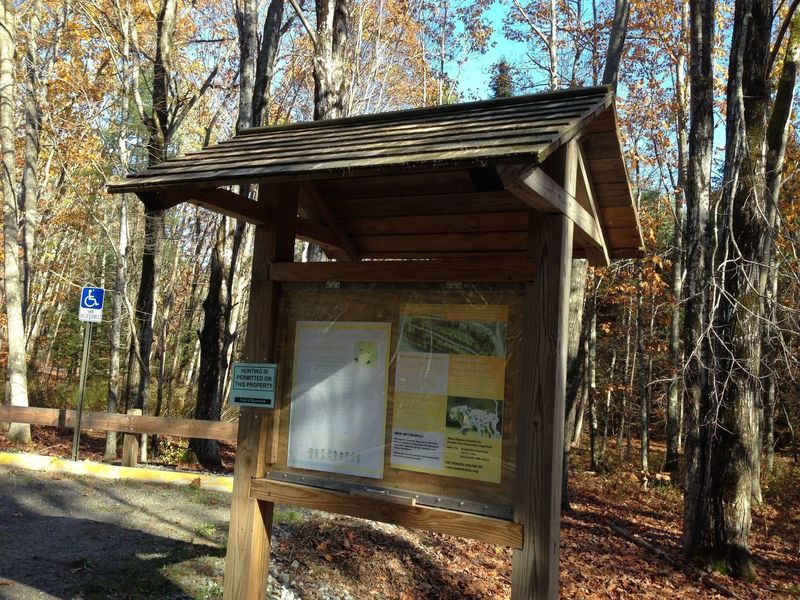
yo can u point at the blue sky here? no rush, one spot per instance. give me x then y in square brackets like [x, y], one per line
[475, 74]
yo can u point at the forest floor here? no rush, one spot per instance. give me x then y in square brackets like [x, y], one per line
[76, 537]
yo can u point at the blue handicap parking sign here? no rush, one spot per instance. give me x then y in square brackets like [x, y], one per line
[92, 298]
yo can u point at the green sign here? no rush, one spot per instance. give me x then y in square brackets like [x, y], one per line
[253, 385]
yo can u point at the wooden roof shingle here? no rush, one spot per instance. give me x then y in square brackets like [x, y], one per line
[370, 157]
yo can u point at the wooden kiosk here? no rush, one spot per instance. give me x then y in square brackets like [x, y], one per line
[479, 206]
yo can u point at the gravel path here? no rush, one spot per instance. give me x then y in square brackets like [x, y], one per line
[78, 537]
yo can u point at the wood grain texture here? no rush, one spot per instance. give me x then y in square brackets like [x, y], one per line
[247, 558]
[316, 206]
[541, 409]
[476, 270]
[453, 223]
[442, 242]
[487, 529]
[584, 193]
[129, 423]
[465, 133]
[542, 193]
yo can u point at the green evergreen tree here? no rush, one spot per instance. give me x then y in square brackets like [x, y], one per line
[502, 80]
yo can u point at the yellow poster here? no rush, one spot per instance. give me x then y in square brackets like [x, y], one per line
[449, 390]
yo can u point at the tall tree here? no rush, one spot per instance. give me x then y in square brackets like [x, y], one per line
[502, 82]
[256, 67]
[698, 182]
[723, 392]
[12, 280]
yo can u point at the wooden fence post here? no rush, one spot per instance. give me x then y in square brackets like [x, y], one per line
[247, 559]
[540, 429]
[130, 444]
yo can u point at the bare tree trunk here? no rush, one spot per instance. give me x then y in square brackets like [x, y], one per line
[17, 380]
[209, 400]
[616, 42]
[644, 408]
[158, 132]
[576, 344]
[776, 140]
[695, 389]
[673, 432]
[333, 24]
[116, 325]
[718, 500]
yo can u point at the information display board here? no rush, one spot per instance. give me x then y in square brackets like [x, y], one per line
[449, 389]
[406, 388]
[339, 389]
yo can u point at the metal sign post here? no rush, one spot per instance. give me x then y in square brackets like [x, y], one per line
[90, 311]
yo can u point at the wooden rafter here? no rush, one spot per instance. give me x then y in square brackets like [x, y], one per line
[317, 208]
[597, 256]
[541, 192]
[219, 200]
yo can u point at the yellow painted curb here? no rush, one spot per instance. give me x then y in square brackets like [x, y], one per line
[50, 464]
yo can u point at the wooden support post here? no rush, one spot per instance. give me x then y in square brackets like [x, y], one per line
[540, 429]
[130, 444]
[247, 559]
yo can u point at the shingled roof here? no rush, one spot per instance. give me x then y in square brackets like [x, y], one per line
[418, 162]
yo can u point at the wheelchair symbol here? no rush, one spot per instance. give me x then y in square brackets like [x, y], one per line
[90, 301]
[92, 298]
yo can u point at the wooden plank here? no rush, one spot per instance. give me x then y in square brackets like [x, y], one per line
[275, 170]
[393, 204]
[540, 414]
[486, 127]
[598, 256]
[315, 204]
[395, 153]
[445, 255]
[487, 529]
[218, 200]
[103, 421]
[452, 223]
[450, 242]
[466, 110]
[247, 558]
[413, 271]
[315, 232]
[539, 190]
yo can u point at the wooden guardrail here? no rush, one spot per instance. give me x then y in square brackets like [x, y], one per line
[57, 417]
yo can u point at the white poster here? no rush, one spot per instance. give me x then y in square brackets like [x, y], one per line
[337, 421]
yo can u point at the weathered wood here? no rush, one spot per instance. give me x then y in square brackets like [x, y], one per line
[392, 203]
[347, 159]
[219, 200]
[315, 204]
[130, 443]
[540, 412]
[129, 423]
[453, 223]
[487, 529]
[446, 255]
[247, 558]
[316, 232]
[486, 128]
[541, 192]
[584, 193]
[463, 110]
[474, 271]
[442, 242]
